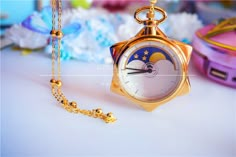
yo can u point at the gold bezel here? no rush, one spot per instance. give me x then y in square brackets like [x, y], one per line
[153, 33]
[149, 106]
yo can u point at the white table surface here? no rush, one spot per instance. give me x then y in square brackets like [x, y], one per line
[201, 124]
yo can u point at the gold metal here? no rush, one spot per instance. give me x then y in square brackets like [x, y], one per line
[224, 26]
[150, 15]
[218, 74]
[59, 34]
[151, 32]
[73, 104]
[53, 82]
[109, 117]
[53, 33]
[98, 111]
[56, 82]
[185, 88]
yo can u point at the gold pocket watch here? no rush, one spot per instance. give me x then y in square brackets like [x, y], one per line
[150, 69]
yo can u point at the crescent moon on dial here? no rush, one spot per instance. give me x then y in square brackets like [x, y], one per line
[157, 56]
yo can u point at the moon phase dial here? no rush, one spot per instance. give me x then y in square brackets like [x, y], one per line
[149, 71]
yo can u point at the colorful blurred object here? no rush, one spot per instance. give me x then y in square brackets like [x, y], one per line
[81, 3]
[182, 29]
[215, 51]
[113, 3]
[26, 38]
[118, 5]
[13, 11]
[42, 23]
[88, 39]
[209, 11]
[88, 33]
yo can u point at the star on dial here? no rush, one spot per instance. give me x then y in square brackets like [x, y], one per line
[146, 52]
[144, 58]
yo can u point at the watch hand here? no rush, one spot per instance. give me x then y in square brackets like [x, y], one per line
[133, 69]
[141, 71]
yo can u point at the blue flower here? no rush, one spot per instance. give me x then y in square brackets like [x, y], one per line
[42, 23]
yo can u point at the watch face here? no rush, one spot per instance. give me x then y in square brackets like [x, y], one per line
[150, 71]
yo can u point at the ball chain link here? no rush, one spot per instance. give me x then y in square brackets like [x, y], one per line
[56, 84]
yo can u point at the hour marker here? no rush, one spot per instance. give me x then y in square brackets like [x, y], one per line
[127, 82]
[136, 91]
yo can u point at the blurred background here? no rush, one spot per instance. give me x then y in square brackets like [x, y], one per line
[14, 11]
[102, 22]
[202, 123]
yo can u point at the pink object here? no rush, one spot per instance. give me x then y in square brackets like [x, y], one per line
[115, 5]
[112, 2]
[227, 38]
[208, 13]
[217, 63]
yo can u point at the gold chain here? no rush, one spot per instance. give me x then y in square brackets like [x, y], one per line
[56, 82]
[152, 3]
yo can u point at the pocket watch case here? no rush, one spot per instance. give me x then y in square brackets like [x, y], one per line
[153, 56]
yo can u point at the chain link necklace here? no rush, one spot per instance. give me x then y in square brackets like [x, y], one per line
[56, 83]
